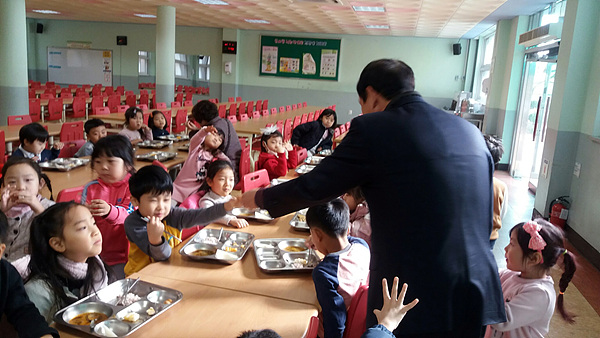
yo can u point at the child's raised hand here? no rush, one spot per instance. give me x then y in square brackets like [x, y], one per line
[191, 125]
[288, 146]
[5, 201]
[58, 145]
[24, 197]
[155, 230]
[99, 208]
[309, 243]
[238, 223]
[393, 309]
[210, 129]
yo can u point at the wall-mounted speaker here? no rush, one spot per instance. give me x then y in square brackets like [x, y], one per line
[456, 49]
[121, 40]
[39, 28]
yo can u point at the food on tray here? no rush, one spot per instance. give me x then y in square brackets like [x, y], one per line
[294, 248]
[301, 218]
[298, 263]
[105, 331]
[131, 317]
[211, 240]
[130, 298]
[168, 301]
[203, 252]
[151, 311]
[87, 317]
[230, 249]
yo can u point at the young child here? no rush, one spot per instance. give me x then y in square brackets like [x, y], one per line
[500, 190]
[33, 138]
[344, 268]
[316, 135]
[20, 312]
[135, 130]
[108, 197]
[95, 130]
[275, 156]
[155, 227]
[360, 219]
[158, 124]
[64, 265]
[22, 181]
[205, 146]
[534, 248]
[218, 185]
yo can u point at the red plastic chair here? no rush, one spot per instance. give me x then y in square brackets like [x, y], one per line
[175, 104]
[336, 132]
[233, 109]
[280, 126]
[113, 103]
[66, 95]
[129, 92]
[81, 93]
[255, 114]
[120, 90]
[342, 128]
[47, 96]
[97, 90]
[231, 99]
[191, 203]
[288, 108]
[281, 109]
[265, 105]
[144, 99]
[297, 121]
[188, 103]
[311, 116]
[249, 108]
[3, 156]
[265, 112]
[180, 120]
[179, 98]
[144, 92]
[241, 110]
[131, 100]
[304, 118]
[143, 107]
[356, 320]
[287, 130]
[245, 165]
[79, 106]
[222, 111]
[313, 327]
[35, 110]
[70, 194]
[109, 91]
[301, 153]
[97, 102]
[71, 131]
[55, 109]
[101, 111]
[32, 94]
[238, 99]
[18, 120]
[146, 118]
[161, 105]
[122, 108]
[232, 118]
[257, 179]
[294, 106]
[244, 117]
[258, 105]
[70, 148]
[273, 111]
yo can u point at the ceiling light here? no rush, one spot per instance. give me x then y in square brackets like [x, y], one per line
[145, 15]
[368, 9]
[377, 26]
[212, 2]
[45, 11]
[257, 21]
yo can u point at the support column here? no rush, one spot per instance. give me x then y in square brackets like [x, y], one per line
[165, 54]
[13, 59]
[229, 82]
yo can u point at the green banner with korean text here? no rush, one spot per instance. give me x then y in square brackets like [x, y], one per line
[305, 58]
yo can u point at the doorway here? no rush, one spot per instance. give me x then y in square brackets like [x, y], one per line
[532, 117]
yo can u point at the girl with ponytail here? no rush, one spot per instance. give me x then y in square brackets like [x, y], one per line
[534, 248]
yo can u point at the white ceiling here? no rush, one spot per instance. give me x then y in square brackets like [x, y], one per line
[422, 18]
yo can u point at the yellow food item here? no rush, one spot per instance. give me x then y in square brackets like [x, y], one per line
[151, 311]
[301, 218]
[293, 248]
[87, 317]
[168, 301]
[131, 317]
[230, 249]
[203, 252]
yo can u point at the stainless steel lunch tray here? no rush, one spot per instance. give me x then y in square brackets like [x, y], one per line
[305, 168]
[175, 137]
[277, 181]
[261, 215]
[271, 255]
[156, 155]
[326, 152]
[184, 147]
[314, 160]
[298, 222]
[208, 239]
[154, 144]
[64, 164]
[106, 299]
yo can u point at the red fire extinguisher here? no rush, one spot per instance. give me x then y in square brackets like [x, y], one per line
[559, 211]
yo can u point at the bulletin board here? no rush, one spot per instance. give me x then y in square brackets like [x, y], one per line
[79, 66]
[305, 58]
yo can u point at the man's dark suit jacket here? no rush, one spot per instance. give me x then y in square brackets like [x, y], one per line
[427, 177]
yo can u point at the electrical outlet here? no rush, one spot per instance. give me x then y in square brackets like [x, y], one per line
[545, 165]
[577, 169]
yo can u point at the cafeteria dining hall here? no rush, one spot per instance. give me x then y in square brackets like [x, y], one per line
[195, 168]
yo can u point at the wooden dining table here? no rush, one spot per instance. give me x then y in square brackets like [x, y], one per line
[252, 127]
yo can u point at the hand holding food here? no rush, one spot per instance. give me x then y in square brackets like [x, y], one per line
[58, 145]
[155, 230]
[26, 197]
[99, 207]
[393, 309]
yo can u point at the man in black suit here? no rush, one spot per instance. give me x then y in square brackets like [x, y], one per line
[427, 177]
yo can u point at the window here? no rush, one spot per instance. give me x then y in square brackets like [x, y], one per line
[483, 67]
[181, 66]
[143, 62]
[203, 68]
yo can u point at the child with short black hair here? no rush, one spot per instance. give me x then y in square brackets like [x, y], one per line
[155, 227]
[159, 124]
[14, 303]
[500, 189]
[94, 130]
[275, 156]
[345, 266]
[135, 129]
[33, 138]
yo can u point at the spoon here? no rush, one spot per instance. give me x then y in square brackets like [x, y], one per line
[122, 298]
[220, 234]
[92, 325]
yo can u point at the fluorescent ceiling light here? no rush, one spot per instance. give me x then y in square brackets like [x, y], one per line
[257, 21]
[45, 11]
[368, 9]
[145, 15]
[212, 2]
[377, 26]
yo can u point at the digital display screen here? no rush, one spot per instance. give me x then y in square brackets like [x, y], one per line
[229, 47]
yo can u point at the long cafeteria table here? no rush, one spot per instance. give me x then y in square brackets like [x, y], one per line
[252, 127]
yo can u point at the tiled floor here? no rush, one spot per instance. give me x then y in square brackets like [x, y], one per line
[586, 279]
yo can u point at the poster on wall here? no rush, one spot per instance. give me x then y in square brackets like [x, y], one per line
[308, 58]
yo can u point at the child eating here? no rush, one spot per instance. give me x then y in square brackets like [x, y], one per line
[94, 130]
[345, 266]
[155, 227]
[33, 138]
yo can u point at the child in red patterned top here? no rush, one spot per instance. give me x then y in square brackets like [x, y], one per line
[276, 156]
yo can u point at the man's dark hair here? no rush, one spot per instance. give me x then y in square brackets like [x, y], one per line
[3, 227]
[91, 124]
[495, 147]
[205, 111]
[266, 333]
[150, 179]
[332, 217]
[388, 77]
[33, 131]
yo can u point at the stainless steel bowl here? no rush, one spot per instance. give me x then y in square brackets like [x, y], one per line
[78, 309]
[189, 249]
[272, 264]
[162, 296]
[114, 326]
[300, 243]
